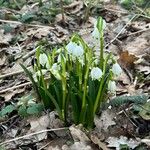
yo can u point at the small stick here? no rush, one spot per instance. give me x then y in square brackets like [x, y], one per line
[20, 23]
[45, 145]
[140, 31]
[12, 73]
[28, 54]
[31, 134]
[115, 10]
[15, 87]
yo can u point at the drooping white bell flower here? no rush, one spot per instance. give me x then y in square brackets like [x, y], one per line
[71, 47]
[112, 86]
[74, 49]
[55, 67]
[116, 69]
[96, 73]
[78, 51]
[43, 59]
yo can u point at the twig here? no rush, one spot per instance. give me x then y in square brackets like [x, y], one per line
[28, 54]
[28, 135]
[120, 31]
[124, 111]
[12, 73]
[115, 10]
[15, 87]
[45, 145]
[20, 23]
[140, 31]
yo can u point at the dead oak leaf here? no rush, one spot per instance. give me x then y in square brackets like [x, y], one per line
[127, 60]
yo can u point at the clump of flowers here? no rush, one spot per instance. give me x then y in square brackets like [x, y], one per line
[73, 80]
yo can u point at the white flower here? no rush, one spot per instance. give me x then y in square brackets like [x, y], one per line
[116, 69]
[96, 73]
[43, 59]
[75, 50]
[55, 67]
[78, 51]
[38, 74]
[112, 86]
[71, 47]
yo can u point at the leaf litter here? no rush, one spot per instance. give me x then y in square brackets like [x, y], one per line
[131, 47]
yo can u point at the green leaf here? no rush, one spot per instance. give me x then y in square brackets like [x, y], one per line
[53, 100]
[137, 99]
[7, 110]
[145, 112]
[22, 111]
[35, 109]
[27, 18]
[29, 74]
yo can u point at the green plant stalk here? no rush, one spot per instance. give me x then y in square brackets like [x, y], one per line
[39, 68]
[83, 108]
[64, 98]
[101, 50]
[80, 77]
[64, 85]
[100, 88]
[54, 102]
[79, 73]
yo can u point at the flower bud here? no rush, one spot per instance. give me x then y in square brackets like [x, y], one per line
[116, 69]
[112, 86]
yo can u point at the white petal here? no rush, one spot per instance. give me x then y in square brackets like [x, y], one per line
[116, 69]
[43, 59]
[112, 86]
[70, 47]
[96, 34]
[96, 73]
[78, 51]
[55, 67]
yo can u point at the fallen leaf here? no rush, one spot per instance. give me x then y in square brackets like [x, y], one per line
[38, 124]
[4, 38]
[80, 146]
[55, 122]
[127, 60]
[116, 142]
[105, 120]
[78, 134]
[97, 141]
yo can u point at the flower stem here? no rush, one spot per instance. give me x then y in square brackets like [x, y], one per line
[101, 50]
[83, 109]
[100, 87]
